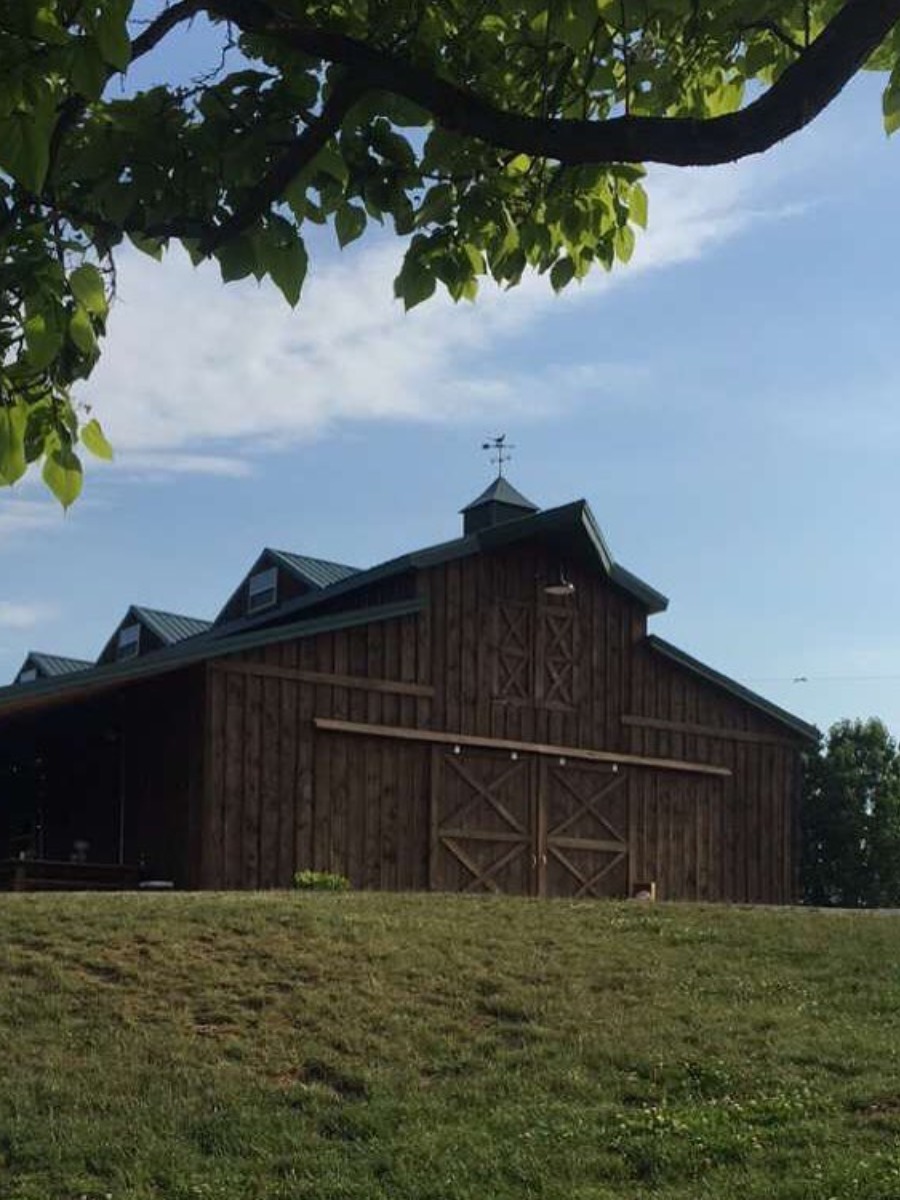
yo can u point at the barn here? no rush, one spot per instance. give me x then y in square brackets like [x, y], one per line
[490, 714]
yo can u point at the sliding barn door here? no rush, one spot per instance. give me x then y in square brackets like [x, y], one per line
[482, 822]
[527, 826]
[583, 832]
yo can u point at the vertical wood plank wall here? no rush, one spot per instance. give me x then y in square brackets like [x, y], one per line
[742, 827]
[279, 797]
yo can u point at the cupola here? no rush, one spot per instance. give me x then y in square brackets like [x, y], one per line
[497, 504]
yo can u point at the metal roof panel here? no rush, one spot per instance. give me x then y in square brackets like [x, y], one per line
[318, 572]
[54, 665]
[170, 627]
[501, 491]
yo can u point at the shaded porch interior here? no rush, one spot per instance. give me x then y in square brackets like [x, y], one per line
[95, 792]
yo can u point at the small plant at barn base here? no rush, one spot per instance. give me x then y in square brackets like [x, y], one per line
[320, 881]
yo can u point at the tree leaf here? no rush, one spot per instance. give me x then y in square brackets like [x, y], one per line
[147, 245]
[637, 206]
[81, 331]
[25, 148]
[562, 273]
[13, 420]
[287, 268]
[349, 223]
[86, 283]
[414, 284]
[624, 243]
[63, 475]
[112, 33]
[93, 437]
[44, 339]
[237, 259]
[890, 104]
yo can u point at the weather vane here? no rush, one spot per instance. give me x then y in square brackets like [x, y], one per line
[501, 448]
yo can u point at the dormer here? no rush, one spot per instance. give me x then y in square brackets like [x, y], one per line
[276, 577]
[48, 666]
[143, 630]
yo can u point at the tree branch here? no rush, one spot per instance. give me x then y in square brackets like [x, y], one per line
[73, 109]
[800, 93]
[776, 31]
[161, 26]
[298, 155]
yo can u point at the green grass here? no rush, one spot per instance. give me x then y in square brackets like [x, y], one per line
[254, 1047]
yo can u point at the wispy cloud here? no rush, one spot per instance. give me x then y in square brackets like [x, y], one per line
[22, 518]
[193, 367]
[153, 465]
[19, 615]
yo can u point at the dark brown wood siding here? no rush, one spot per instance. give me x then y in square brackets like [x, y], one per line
[736, 835]
[490, 655]
[280, 799]
[468, 608]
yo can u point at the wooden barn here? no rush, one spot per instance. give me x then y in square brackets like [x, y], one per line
[488, 714]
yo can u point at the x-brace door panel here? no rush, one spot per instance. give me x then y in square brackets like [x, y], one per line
[527, 825]
[583, 831]
[482, 823]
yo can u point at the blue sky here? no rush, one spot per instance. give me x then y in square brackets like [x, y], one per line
[729, 405]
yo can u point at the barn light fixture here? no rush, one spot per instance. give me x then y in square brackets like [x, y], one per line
[559, 584]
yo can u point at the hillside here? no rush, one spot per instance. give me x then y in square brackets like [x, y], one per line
[279, 1047]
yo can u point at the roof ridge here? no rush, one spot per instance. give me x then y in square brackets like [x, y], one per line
[167, 612]
[332, 562]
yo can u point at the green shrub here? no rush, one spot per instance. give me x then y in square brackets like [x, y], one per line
[320, 881]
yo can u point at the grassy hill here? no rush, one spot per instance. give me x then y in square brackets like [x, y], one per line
[254, 1047]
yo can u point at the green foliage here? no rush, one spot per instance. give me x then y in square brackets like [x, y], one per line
[851, 818]
[320, 881]
[291, 130]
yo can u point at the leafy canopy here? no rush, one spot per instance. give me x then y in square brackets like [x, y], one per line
[851, 818]
[495, 136]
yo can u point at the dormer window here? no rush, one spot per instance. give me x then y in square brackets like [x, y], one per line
[128, 644]
[262, 590]
[28, 676]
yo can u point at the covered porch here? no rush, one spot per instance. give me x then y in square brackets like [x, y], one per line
[96, 786]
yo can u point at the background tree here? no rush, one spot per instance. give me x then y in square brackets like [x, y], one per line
[851, 818]
[496, 136]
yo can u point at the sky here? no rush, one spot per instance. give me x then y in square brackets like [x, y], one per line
[728, 404]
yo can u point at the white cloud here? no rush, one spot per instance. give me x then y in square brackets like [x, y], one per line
[193, 368]
[154, 465]
[18, 615]
[21, 518]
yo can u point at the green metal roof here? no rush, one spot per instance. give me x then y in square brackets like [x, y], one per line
[573, 524]
[50, 666]
[169, 627]
[810, 732]
[45, 692]
[317, 572]
[501, 491]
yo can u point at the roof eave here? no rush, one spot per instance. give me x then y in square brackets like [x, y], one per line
[802, 728]
[14, 698]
